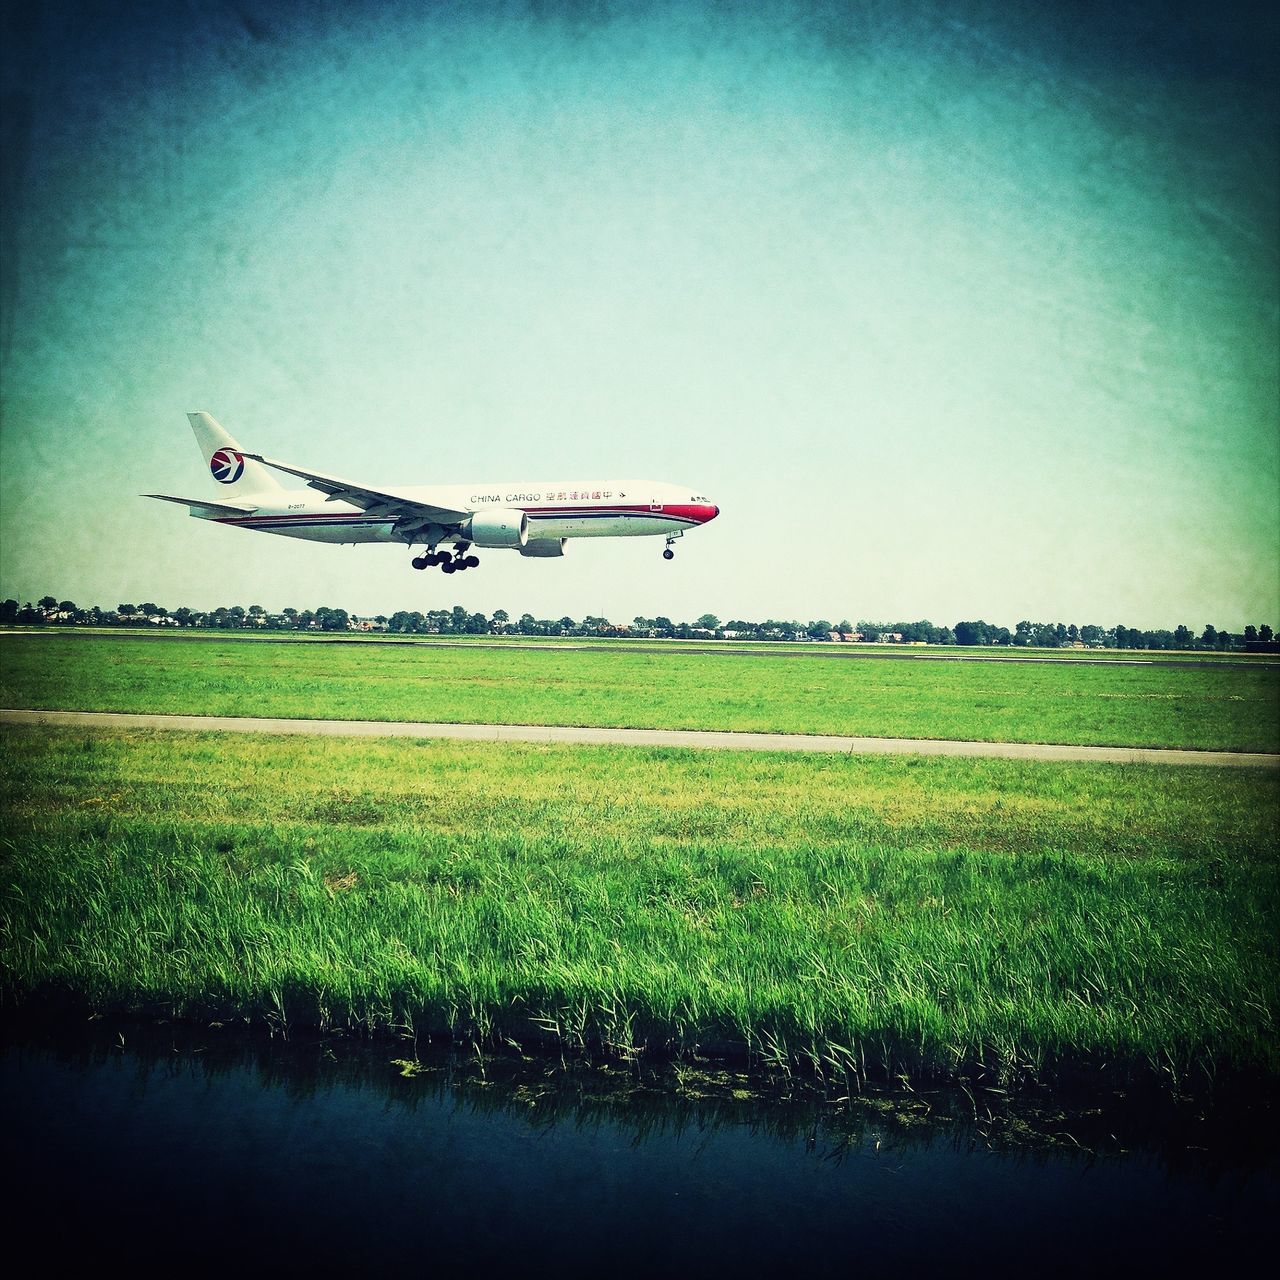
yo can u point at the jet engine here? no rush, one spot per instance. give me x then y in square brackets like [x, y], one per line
[501, 527]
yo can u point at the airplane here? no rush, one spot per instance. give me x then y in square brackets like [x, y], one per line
[535, 519]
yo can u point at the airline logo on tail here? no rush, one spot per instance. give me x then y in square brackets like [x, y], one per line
[227, 466]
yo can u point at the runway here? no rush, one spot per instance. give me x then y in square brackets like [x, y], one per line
[715, 649]
[687, 738]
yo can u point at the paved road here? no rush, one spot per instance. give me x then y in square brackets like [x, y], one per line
[644, 738]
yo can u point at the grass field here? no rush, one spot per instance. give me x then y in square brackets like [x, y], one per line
[1224, 707]
[763, 648]
[871, 915]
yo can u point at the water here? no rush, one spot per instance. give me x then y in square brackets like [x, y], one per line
[206, 1147]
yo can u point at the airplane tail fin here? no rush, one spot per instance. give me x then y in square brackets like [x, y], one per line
[235, 474]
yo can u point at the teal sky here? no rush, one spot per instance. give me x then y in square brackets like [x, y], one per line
[956, 314]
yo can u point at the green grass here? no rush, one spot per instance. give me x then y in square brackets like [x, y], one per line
[871, 915]
[1228, 707]
[764, 647]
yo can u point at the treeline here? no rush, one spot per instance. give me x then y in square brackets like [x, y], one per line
[457, 621]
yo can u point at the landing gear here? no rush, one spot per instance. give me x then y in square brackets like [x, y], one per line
[454, 563]
[667, 553]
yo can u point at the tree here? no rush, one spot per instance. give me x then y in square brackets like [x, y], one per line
[46, 603]
[1209, 637]
[1182, 637]
[9, 613]
[1265, 633]
[709, 622]
[1250, 634]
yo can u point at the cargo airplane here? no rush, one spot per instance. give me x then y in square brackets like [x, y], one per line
[535, 519]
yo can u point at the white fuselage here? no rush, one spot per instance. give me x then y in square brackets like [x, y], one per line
[555, 510]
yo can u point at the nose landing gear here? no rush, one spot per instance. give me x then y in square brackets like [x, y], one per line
[667, 553]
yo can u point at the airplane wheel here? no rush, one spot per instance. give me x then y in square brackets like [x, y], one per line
[449, 567]
[668, 554]
[472, 562]
[421, 562]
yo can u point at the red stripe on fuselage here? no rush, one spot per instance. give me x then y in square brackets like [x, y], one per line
[694, 513]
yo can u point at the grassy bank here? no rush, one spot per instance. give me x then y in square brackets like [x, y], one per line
[1233, 707]
[876, 915]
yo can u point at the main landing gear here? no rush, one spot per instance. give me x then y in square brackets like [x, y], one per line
[454, 563]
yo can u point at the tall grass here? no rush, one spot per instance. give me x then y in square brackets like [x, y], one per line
[864, 916]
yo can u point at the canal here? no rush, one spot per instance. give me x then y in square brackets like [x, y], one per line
[199, 1147]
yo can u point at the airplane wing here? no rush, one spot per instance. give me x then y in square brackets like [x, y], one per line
[203, 505]
[408, 513]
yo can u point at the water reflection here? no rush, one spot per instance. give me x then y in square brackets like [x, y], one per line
[342, 1150]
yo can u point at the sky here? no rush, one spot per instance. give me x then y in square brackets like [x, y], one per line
[956, 310]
